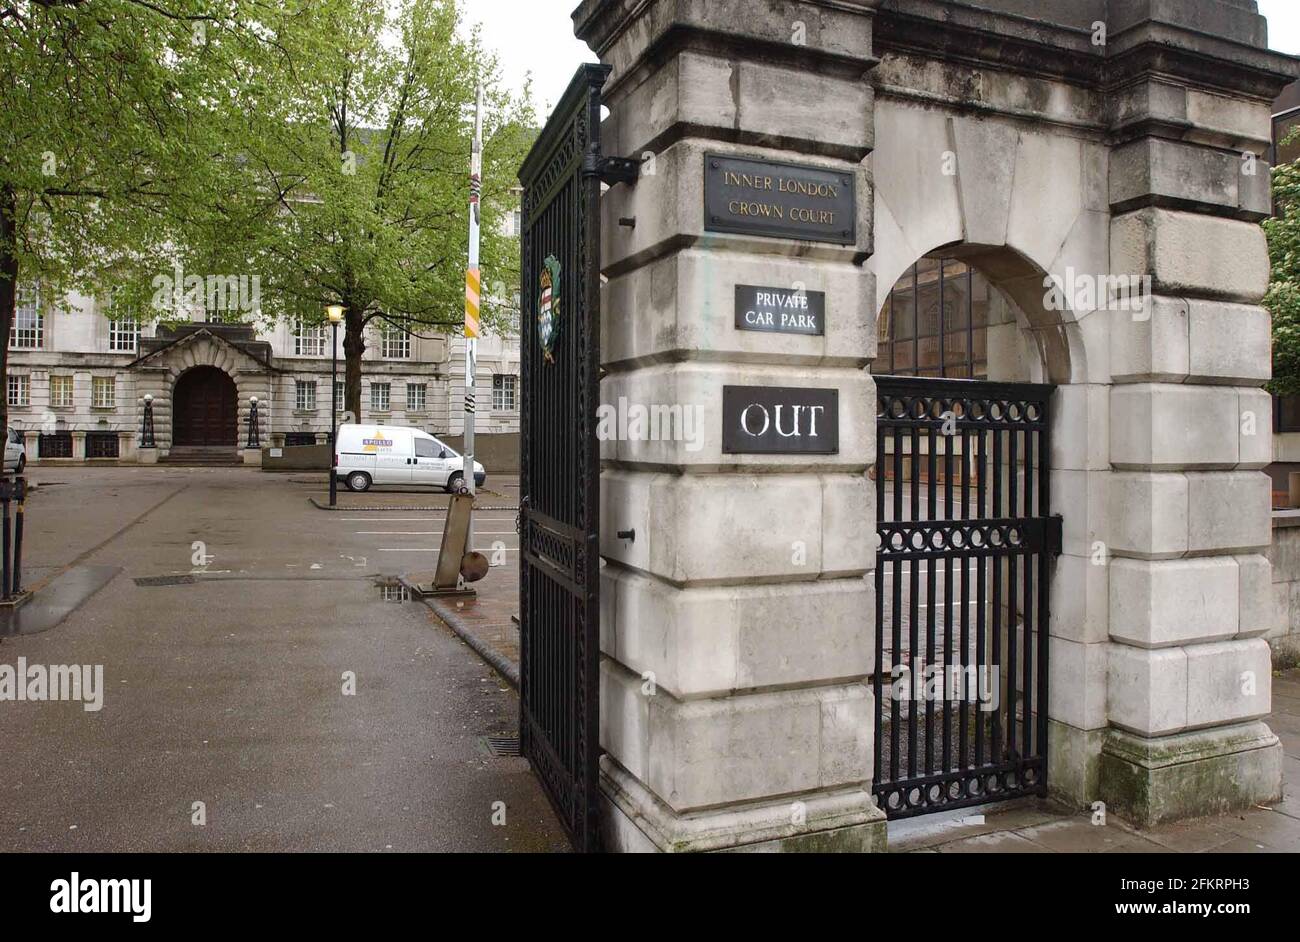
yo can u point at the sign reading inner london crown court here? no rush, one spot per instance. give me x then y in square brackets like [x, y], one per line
[780, 200]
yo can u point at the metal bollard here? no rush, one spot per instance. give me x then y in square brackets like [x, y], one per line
[21, 495]
[6, 494]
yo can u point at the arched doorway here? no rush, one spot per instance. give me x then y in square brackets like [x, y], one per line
[205, 408]
[967, 538]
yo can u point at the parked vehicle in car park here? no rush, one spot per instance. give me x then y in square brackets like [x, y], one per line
[15, 452]
[393, 454]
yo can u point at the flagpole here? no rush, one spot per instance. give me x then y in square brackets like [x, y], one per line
[473, 293]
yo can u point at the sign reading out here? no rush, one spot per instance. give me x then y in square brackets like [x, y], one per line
[774, 420]
[780, 200]
[780, 310]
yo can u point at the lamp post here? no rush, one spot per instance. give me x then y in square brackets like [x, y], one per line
[335, 314]
[254, 430]
[146, 429]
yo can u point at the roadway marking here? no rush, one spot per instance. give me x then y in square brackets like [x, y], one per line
[418, 519]
[428, 532]
[434, 549]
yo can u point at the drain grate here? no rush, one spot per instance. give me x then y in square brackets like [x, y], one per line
[505, 744]
[148, 581]
[394, 593]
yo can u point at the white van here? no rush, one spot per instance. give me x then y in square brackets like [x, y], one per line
[15, 452]
[393, 454]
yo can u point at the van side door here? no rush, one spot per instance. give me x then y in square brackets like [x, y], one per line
[394, 456]
[430, 467]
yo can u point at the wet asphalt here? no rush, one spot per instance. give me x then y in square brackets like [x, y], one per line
[225, 723]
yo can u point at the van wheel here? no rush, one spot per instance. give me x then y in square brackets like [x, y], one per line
[358, 481]
[22, 463]
[454, 482]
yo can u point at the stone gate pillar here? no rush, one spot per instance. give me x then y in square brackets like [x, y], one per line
[737, 623]
[1190, 427]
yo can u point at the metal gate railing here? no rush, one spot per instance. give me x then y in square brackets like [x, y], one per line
[559, 478]
[962, 575]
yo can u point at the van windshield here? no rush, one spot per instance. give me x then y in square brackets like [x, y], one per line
[451, 452]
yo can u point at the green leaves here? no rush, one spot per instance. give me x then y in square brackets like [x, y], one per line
[347, 147]
[1283, 298]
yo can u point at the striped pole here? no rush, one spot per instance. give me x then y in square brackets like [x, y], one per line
[473, 297]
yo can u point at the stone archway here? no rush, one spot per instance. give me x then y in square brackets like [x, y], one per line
[205, 408]
[971, 123]
[228, 350]
[1024, 208]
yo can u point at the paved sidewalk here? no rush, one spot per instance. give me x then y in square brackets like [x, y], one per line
[251, 661]
[1028, 826]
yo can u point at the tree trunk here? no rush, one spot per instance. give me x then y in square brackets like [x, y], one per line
[8, 290]
[354, 345]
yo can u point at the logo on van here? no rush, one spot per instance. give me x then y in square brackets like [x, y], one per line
[377, 442]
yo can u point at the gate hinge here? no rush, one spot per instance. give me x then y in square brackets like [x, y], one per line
[1054, 527]
[612, 170]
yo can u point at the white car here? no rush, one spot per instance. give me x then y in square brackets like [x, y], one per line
[15, 452]
[394, 454]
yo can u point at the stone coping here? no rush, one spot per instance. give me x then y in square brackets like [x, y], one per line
[1286, 518]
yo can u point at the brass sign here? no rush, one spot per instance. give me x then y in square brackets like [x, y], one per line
[779, 200]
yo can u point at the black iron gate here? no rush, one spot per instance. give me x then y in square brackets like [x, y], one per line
[962, 575]
[559, 513]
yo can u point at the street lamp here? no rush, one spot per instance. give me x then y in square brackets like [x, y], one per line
[146, 428]
[335, 314]
[254, 426]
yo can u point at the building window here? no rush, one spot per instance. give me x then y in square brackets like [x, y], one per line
[299, 439]
[60, 392]
[1285, 151]
[935, 322]
[395, 344]
[103, 392]
[56, 445]
[101, 445]
[503, 393]
[123, 328]
[415, 397]
[304, 395]
[340, 395]
[123, 335]
[308, 340]
[20, 390]
[1286, 413]
[380, 397]
[28, 331]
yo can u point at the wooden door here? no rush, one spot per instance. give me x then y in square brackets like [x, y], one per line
[205, 408]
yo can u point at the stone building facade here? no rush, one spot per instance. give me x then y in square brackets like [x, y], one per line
[1033, 142]
[77, 380]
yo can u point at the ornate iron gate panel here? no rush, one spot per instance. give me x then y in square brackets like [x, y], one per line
[962, 575]
[559, 512]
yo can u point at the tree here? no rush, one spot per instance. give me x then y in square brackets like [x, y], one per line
[349, 145]
[1283, 298]
[104, 137]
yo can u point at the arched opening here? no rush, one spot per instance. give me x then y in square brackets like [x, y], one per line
[972, 312]
[969, 347]
[205, 408]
